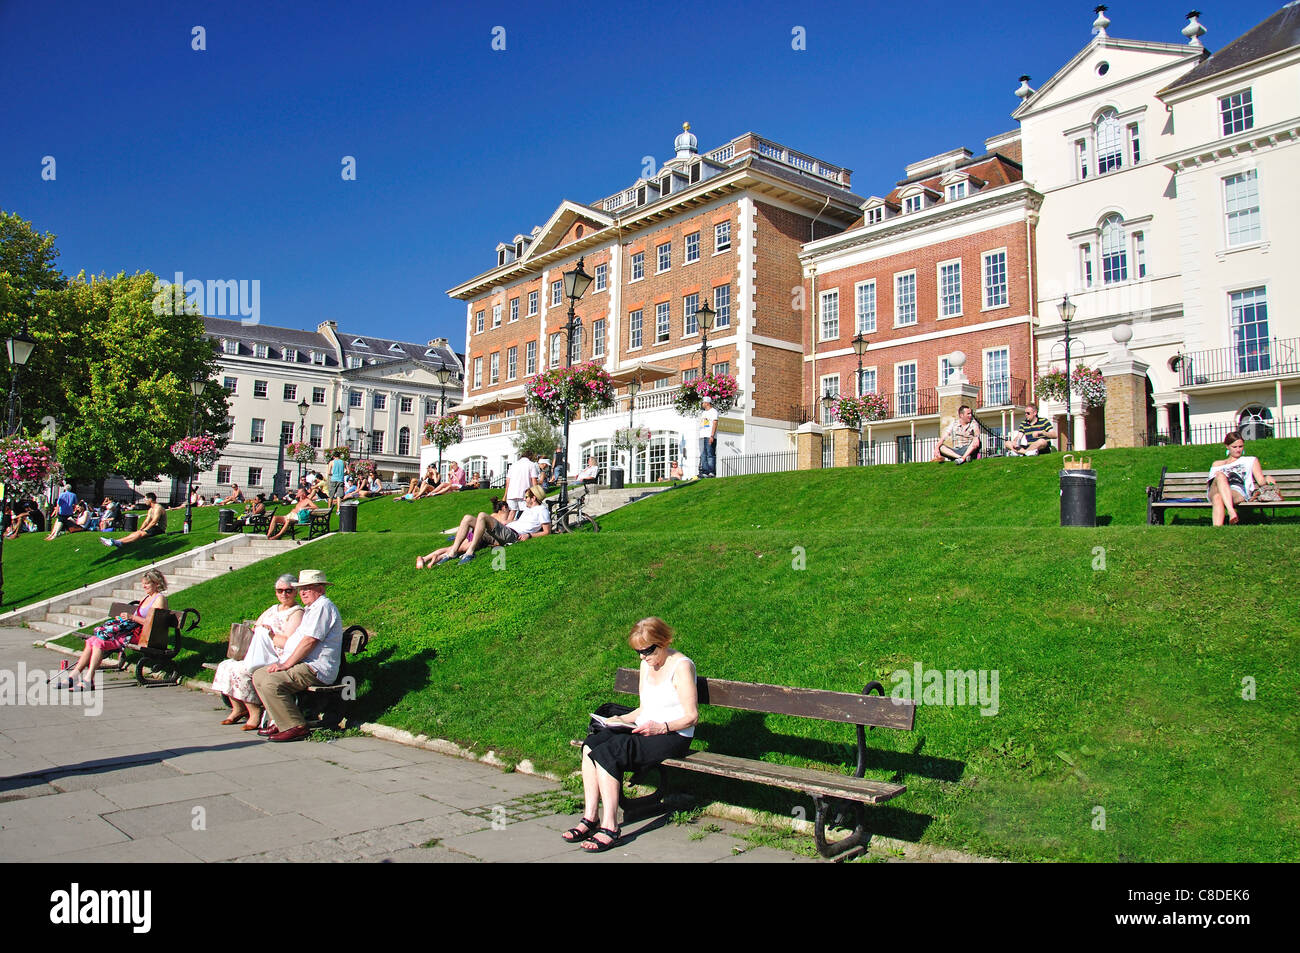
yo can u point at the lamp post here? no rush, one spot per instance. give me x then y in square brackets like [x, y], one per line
[633, 388]
[445, 374]
[303, 407]
[1067, 310]
[576, 283]
[338, 420]
[859, 348]
[20, 348]
[196, 389]
[705, 316]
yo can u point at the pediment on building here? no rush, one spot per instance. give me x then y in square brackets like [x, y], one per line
[1104, 64]
[569, 223]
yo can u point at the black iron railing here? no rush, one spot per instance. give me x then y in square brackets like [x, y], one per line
[1004, 392]
[1260, 357]
[750, 463]
[1201, 434]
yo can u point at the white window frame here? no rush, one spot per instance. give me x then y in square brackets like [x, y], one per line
[557, 293]
[828, 386]
[318, 395]
[290, 355]
[687, 246]
[636, 329]
[688, 315]
[721, 237]
[355, 398]
[956, 191]
[913, 204]
[1250, 175]
[722, 310]
[512, 362]
[262, 386]
[939, 289]
[496, 315]
[1247, 107]
[899, 392]
[316, 435]
[985, 287]
[862, 322]
[229, 347]
[1087, 266]
[663, 257]
[494, 368]
[223, 474]
[230, 384]
[257, 430]
[825, 331]
[598, 338]
[530, 358]
[405, 405]
[872, 372]
[637, 267]
[898, 314]
[532, 303]
[663, 321]
[986, 354]
[556, 354]
[514, 310]
[478, 372]
[260, 350]
[289, 392]
[601, 281]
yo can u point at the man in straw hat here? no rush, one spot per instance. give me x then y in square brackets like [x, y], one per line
[311, 658]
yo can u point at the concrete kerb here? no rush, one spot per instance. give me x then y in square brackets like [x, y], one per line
[126, 580]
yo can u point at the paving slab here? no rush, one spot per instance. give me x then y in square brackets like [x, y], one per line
[214, 813]
[53, 809]
[174, 787]
[289, 796]
[425, 855]
[98, 779]
[249, 837]
[145, 850]
[373, 811]
[41, 842]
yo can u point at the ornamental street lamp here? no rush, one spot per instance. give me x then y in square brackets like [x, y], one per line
[196, 389]
[576, 283]
[303, 407]
[444, 374]
[859, 348]
[705, 317]
[1067, 310]
[20, 348]
[338, 420]
[633, 388]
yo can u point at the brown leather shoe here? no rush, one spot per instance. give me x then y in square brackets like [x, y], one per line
[268, 731]
[291, 734]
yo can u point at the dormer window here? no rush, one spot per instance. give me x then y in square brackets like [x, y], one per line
[912, 203]
[666, 185]
[353, 362]
[259, 350]
[397, 348]
[290, 355]
[501, 257]
[955, 191]
[358, 342]
[519, 249]
[318, 358]
[695, 172]
[875, 215]
[230, 347]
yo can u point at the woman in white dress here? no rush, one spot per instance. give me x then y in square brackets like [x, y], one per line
[1233, 480]
[234, 677]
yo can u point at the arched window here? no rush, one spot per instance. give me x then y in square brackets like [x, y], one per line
[1255, 422]
[1114, 250]
[1109, 136]
[404, 442]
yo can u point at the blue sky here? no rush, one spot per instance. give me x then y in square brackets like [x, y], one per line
[226, 163]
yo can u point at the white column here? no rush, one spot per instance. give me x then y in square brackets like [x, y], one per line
[1162, 420]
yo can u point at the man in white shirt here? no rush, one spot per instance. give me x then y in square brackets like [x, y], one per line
[312, 657]
[535, 520]
[523, 473]
[708, 440]
[590, 473]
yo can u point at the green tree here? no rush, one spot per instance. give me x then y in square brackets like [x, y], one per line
[538, 435]
[27, 272]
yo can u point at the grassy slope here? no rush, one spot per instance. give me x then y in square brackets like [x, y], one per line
[1119, 688]
[36, 570]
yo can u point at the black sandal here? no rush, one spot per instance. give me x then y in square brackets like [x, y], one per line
[614, 837]
[577, 834]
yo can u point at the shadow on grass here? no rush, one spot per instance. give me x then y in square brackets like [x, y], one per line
[384, 681]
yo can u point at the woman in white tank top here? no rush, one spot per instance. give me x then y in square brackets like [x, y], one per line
[662, 727]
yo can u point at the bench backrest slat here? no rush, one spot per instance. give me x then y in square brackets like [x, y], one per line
[846, 707]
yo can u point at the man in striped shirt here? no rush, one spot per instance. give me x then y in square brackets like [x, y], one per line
[1033, 437]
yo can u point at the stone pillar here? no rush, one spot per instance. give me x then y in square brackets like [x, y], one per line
[1126, 401]
[845, 446]
[808, 443]
[951, 397]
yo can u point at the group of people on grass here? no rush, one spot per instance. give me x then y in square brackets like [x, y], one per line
[961, 441]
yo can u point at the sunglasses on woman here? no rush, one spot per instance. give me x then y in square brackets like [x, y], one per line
[647, 651]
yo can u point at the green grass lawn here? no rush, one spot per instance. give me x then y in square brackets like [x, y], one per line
[36, 570]
[1121, 651]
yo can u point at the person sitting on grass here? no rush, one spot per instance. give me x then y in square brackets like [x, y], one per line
[661, 727]
[675, 472]
[311, 657]
[234, 677]
[500, 512]
[236, 495]
[300, 515]
[62, 515]
[373, 488]
[961, 441]
[490, 531]
[1034, 435]
[422, 486]
[454, 483]
[1234, 480]
[115, 633]
[155, 524]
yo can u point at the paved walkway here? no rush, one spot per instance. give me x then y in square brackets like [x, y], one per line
[151, 776]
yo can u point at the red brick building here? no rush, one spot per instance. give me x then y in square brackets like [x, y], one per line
[723, 227]
[943, 263]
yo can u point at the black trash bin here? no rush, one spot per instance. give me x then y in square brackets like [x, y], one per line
[131, 522]
[348, 518]
[225, 521]
[1078, 495]
[616, 478]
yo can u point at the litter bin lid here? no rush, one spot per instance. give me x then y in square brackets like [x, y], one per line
[1078, 474]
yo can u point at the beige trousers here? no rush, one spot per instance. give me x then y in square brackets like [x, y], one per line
[277, 689]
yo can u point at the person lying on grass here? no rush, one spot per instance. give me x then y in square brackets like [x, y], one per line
[271, 632]
[535, 520]
[155, 524]
[115, 633]
[500, 512]
[1234, 480]
[661, 727]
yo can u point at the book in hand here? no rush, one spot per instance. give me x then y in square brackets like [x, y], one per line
[610, 723]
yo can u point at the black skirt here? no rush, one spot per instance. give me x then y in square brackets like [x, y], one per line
[621, 751]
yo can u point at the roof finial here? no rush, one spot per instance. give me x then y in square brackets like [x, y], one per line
[1099, 25]
[1024, 92]
[1194, 30]
[685, 144]
[686, 127]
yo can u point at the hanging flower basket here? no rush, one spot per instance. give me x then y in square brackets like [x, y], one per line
[343, 451]
[875, 406]
[300, 452]
[850, 411]
[1051, 385]
[631, 438]
[586, 386]
[444, 431]
[719, 388]
[201, 451]
[1088, 383]
[364, 470]
[25, 466]
[687, 401]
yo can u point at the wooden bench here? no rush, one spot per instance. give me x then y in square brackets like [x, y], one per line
[261, 522]
[1186, 491]
[324, 706]
[863, 710]
[159, 642]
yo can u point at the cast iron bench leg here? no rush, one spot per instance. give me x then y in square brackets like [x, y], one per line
[856, 838]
